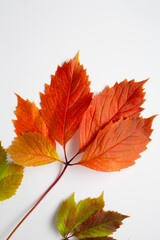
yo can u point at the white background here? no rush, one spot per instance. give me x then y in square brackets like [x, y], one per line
[117, 40]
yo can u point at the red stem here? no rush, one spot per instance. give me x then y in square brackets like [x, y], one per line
[69, 162]
[47, 191]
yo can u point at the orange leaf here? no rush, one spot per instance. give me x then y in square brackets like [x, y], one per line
[29, 119]
[66, 100]
[122, 100]
[118, 145]
[32, 149]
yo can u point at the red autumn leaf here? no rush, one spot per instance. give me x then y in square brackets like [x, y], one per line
[29, 119]
[122, 100]
[65, 100]
[66, 104]
[118, 144]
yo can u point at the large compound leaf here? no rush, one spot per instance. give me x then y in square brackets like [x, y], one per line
[66, 100]
[101, 224]
[87, 220]
[118, 145]
[10, 176]
[32, 149]
[122, 100]
[29, 119]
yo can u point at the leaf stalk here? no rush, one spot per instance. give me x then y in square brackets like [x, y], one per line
[66, 163]
[46, 192]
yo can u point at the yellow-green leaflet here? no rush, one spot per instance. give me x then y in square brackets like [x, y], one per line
[66, 216]
[10, 176]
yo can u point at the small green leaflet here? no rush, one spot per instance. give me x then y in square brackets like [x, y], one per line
[66, 216]
[87, 220]
[10, 176]
[100, 238]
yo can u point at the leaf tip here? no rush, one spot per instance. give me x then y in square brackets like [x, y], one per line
[77, 56]
[102, 196]
[125, 216]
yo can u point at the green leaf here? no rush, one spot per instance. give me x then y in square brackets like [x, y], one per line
[100, 238]
[101, 224]
[10, 176]
[87, 220]
[86, 208]
[66, 216]
[3, 161]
